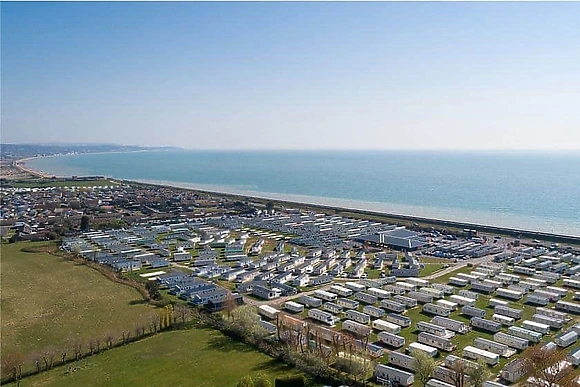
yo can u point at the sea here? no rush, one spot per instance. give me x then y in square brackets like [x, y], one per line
[527, 190]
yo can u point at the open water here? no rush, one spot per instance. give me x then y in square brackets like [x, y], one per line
[526, 190]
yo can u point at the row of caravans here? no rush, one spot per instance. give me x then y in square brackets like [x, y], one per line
[450, 324]
[511, 341]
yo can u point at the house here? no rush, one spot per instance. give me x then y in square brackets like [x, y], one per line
[265, 293]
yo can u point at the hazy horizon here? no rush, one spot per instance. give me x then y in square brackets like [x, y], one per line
[293, 76]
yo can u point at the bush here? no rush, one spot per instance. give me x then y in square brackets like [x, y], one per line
[290, 381]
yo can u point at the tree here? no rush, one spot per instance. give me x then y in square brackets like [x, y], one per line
[547, 367]
[85, 223]
[153, 289]
[269, 206]
[479, 375]
[424, 366]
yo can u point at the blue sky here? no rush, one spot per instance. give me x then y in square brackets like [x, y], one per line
[293, 75]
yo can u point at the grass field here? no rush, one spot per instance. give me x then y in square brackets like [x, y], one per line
[430, 268]
[47, 301]
[196, 357]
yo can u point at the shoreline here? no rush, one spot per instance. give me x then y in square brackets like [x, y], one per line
[307, 201]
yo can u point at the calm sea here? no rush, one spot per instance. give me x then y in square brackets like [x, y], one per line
[527, 190]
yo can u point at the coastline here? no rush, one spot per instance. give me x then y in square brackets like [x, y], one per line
[387, 210]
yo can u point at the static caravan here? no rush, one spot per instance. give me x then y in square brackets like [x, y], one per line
[382, 325]
[380, 293]
[464, 301]
[373, 311]
[523, 333]
[358, 316]
[373, 349]
[385, 374]
[552, 313]
[541, 282]
[447, 304]
[492, 346]
[551, 321]
[507, 311]
[554, 289]
[446, 375]
[480, 354]
[417, 281]
[503, 320]
[366, 298]
[487, 325]
[434, 329]
[536, 299]
[511, 341]
[467, 277]
[511, 294]
[423, 348]
[393, 289]
[271, 328]
[435, 341]
[268, 311]
[496, 302]
[450, 324]
[482, 287]
[293, 306]
[325, 317]
[445, 288]
[571, 283]
[421, 297]
[359, 329]
[552, 296]
[524, 270]
[529, 285]
[347, 303]
[568, 306]
[391, 339]
[432, 292]
[408, 287]
[392, 306]
[472, 311]
[468, 294]
[518, 288]
[492, 283]
[457, 281]
[536, 326]
[566, 339]
[401, 360]
[436, 310]
[398, 319]
[451, 360]
[407, 301]
[332, 307]
[515, 278]
[341, 290]
[327, 296]
[355, 287]
[312, 302]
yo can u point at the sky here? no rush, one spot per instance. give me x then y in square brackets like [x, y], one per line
[304, 75]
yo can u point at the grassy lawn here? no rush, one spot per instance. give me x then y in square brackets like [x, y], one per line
[430, 268]
[196, 357]
[47, 301]
[48, 183]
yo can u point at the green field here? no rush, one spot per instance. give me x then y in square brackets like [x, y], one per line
[196, 357]
[47, 301]
[430, 268]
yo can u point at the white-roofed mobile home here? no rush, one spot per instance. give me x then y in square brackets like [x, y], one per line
[435, 341]
[487, 325]
[511, 341]
[391, 339]
[447, 304]
[380, 293]
[341, 290]
[424, 348]
[322, 294]
[395, 318]
[507, 311]
[437, 383]
[480, 354]
[268, 311]
[312, 302]
[355, 327]
[332, 307]
[293, 306]
[417, 281]
[383, 325]
[566, 339]
[510, 294]
[468, 294]
[503, 320]
[568, 306]
[552, 313]
[572, 283]
[347, 303]
[355, 287]
[492, 346]
[385, 374]
[551, 321]
[527, 334]
[325, 317]
[536, 299]
[436, 310]
[464, 301]
[457, 281]
[401, 360]
[420, 297]
[496, 302]
[434, 329]
[407, 301]
[536, 326]
[392, 306]
[373, 311]
[450, 324]
[432, 292]
[366, 298]
[359, 317]
[472, 311]
[552, 296]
